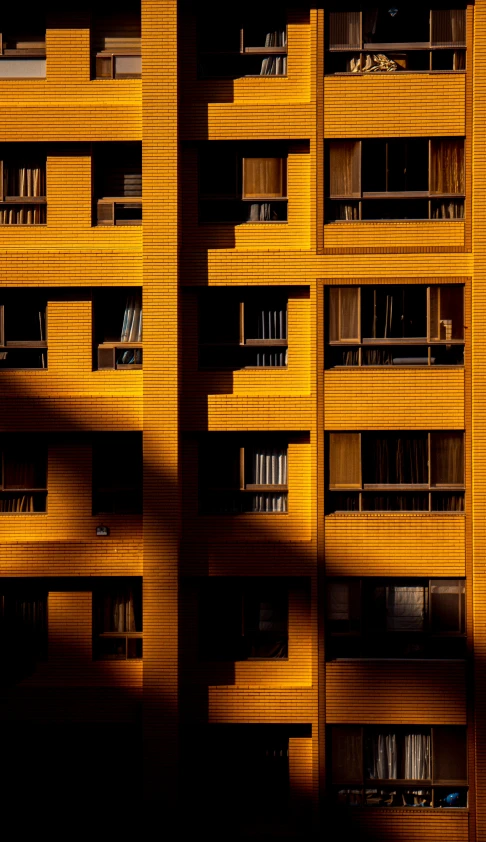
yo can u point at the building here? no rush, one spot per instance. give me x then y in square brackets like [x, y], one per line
[242, 551]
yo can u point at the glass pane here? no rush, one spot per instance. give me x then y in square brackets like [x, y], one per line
[345, 460]
[450, 753]
[344, 168]
[447, 166]
[349, 313]
[24, 68]
[447, 605]
[344, 29]
[451, 312]
[381, 756]
[347, 755]
[128, 65]
[448, 27]
[447, 458]
[263, 177]
[405, 608]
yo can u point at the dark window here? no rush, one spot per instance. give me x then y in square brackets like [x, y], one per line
[23, 476]
[117, 619]
[386, 38]
[23, 628]
[402, 471]
[117, 170]
[117, 473]
[363, 761]
[233, 45]
[242, 183]
[242, 329]
[23, 44]
[240, 620]
[23, 329]
[118, 329]
[398, 178]
[393, 618]
[116, 44]
[247, 477]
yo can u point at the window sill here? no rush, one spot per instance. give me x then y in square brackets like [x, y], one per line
[396, 73]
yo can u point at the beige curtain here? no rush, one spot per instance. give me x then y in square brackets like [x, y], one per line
[263, 178]
[447, 454]
[119, 612]
[344, 30]
[344, 460]
[448, 27]
[447, 166]
[344, 168]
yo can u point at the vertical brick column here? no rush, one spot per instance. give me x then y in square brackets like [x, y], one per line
[161, 487]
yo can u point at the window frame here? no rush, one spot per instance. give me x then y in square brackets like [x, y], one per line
[354, 198]
[399, 50]
[366, 640]
[133, 586]
[360, 344]
[394, 786]
[360, 488]
[20, 491]
[238, 491]
[234, 198]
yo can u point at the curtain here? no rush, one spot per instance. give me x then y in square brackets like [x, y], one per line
[448, 27]
[344, 30]
[383, 758]
[269, 502]
[344, 168]
[417, 757]
[447, 166]
[338, 602]
[272, 324]
[23, 181]
[447, 458]
[270, 467]
[119, 612]
[344, 460]
[263, 177]
[405, 608]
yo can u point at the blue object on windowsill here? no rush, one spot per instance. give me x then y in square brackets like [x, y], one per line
[451, 800]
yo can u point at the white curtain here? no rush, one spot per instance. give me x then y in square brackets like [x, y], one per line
[405, 608]
[384, 756]
[417, 757]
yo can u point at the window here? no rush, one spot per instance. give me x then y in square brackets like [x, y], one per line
[118, 183]
[237, 478]
[116, 43]
[117, 473]
[243, 329]
[118, 329]
[395, 325]
[381, 38]
[398, 178]
[23, 329]
[23, 46]
[241, 620]
[242, 771]
[396, 471]
[231, 47]
[22, 187]
[393, 618]
[23, 628]
[117, 620]
[427, 764]
[23, 481]
[242, 183]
